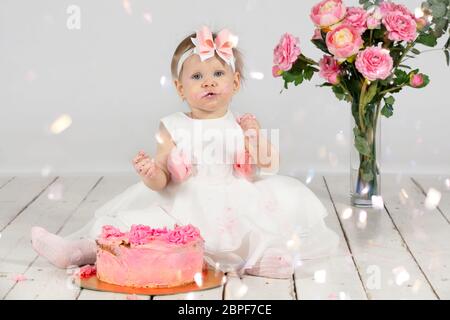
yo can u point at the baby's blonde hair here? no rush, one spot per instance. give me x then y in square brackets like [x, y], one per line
[187, 44]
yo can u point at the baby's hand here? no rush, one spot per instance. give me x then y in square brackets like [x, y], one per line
[145, 167]
[248, 123]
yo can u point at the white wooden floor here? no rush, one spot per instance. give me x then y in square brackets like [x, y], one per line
[401, 251]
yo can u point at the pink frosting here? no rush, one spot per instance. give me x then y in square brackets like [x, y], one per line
[141, 234]
[87, 271]
[110, 232]
[183, 234]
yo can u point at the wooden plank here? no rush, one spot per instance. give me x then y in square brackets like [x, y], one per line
[99, 295]
[339, 277]
[425, 231]
[386, 266]
[4, 180]
[17, 194]
[439, 183]
[16, 252]
[53, 283]
[258, 288]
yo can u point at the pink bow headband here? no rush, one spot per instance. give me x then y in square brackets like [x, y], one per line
[206, 47]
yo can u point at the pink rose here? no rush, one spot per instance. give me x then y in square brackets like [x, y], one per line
[329, 69]
[374, 18]
[317, 35]
[416, 80]
[276, 71]
[400, 27]
[374, 63]
[373, 23]
[243, 166]
[357, 18]
[179, 165]
[183, 234]
[327, 13]
[344, 41]
[387, 7]
[286, 52]
[110, 232]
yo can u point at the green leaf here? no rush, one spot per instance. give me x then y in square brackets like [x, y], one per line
[401, 77]
[439, 10]
[298, 80]
[389, 100]
[427, 40]
[320, 44]
[447, 44]
[415, 51]
[339, 92]
[387, 110]
[362, 145]
[371, 92]
[309, 72]
[404, 66]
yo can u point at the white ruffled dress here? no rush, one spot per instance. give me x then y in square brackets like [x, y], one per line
[238, 218]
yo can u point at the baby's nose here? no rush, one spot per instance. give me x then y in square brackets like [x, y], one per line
[209, 83]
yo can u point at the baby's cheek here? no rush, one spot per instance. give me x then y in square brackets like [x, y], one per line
[227, 88]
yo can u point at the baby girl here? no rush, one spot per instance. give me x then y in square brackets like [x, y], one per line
[215, 171]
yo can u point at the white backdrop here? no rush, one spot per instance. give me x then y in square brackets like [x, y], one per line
[112, 77]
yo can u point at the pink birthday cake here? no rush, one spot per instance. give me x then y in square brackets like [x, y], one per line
[149, 258]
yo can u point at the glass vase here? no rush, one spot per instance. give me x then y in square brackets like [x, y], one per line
[365, 181]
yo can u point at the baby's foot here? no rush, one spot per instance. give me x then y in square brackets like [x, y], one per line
[60, 252]
[275, 263]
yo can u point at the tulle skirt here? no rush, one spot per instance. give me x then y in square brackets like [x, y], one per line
[238, 219]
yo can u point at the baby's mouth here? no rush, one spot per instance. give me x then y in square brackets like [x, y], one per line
[209, 94]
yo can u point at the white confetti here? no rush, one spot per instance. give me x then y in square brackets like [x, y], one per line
[198, 278]
[340, 138]
[127, 6]
[148, 17]
[404, 193]
[163, 81]
[61, 124]
[377, 202]
[362, 219]
[347, 213]
[320, 276]
[310, 176]
[242, 291]
[418, 13]
[45, 171]
[256, 75]
[433, 198]
[293, 243]
[55, 191]
[190, 296]
[401, 275]
[342, 295]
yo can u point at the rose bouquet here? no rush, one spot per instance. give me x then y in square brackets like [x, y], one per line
[365, 53]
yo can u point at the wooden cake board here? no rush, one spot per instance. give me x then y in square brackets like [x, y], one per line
[211, 278]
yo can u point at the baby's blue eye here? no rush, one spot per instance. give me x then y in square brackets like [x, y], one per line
[219, 73]
[197, 76]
